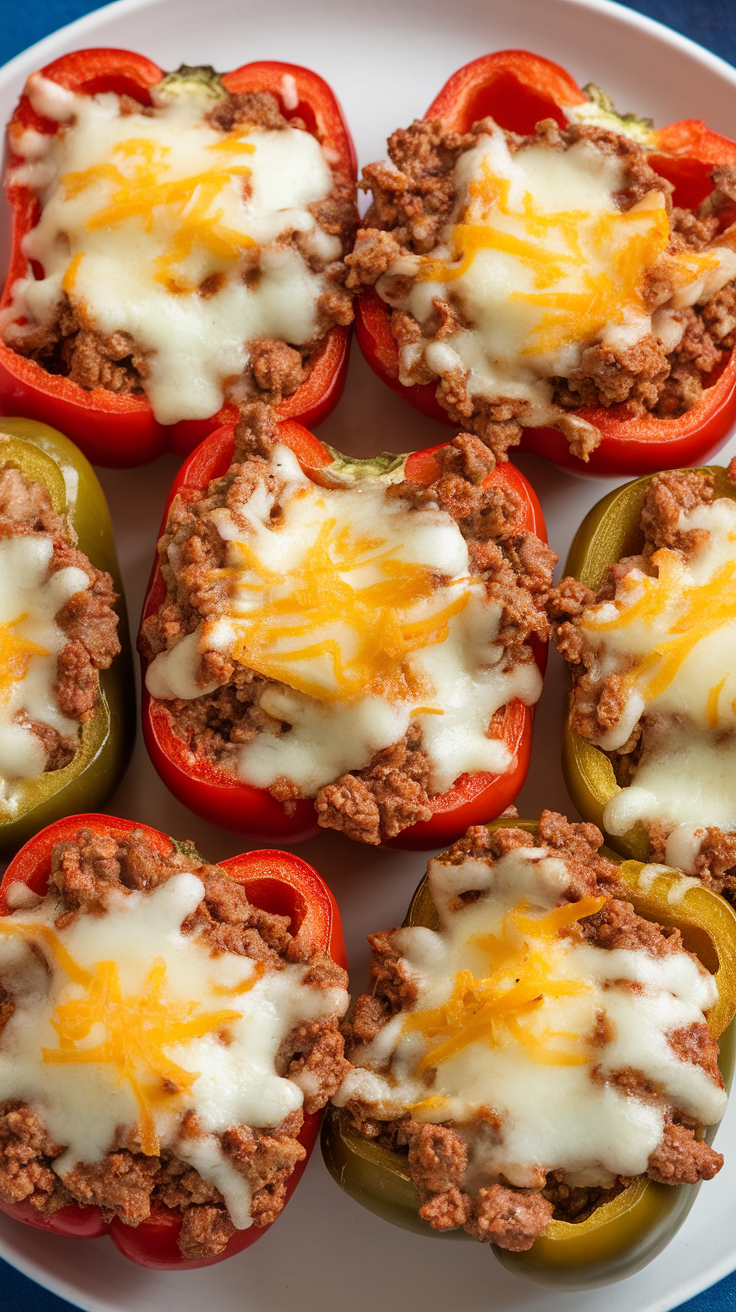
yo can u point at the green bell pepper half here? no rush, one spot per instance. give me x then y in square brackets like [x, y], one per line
[44, 455]
[610, 531]
[624, 1234]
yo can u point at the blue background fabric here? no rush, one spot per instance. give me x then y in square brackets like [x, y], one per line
[710, 22]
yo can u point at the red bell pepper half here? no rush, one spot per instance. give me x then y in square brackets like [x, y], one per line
[253, 812]
[277, 882]
[119, 431]
[518, 89]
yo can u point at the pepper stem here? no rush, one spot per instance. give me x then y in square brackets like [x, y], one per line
[352, 469]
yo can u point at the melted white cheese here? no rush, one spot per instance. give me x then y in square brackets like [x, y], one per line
[552, 1115]
[139, 210]
[366, 613]
[541, 263]
[30, 642]
[90, 1107]
[687, 779]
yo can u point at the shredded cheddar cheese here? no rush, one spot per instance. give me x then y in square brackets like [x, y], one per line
[691, 613]
[15, 655]
[193, 241]
[608, 253]
[128, 1028]
[144, 189]
[663, 647]
[320, 597]
[527, 964]
[137, 1027]
[50, 940]
[514, 1032]
[32, 595]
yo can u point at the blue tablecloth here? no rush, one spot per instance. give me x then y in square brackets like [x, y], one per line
[710, 22]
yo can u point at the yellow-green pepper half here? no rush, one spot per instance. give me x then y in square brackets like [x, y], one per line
[624, 1234]
[105, 741]
[609, 532]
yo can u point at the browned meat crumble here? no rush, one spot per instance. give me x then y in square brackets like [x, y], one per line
[391, 792]
[437, 1154]
[88, 618]
[413, 198]
[126, 1183]
[597, 702]
[70, 344]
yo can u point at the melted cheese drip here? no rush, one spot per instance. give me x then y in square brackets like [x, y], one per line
[30, 642]
[153, 224]
[500, 996]
[366, 614]
[135, 1023]
[541, 262]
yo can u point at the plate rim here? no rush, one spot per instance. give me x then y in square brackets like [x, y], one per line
[630, 17]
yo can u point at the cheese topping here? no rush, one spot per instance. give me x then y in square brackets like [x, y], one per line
[504, 1038]
[540, 262]
[132, 1023]
[365, 613]
[671, 636]
[30, 642]
[161, 226]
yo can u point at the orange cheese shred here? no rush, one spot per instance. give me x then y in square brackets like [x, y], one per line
[15, 655]
[137, 1029]
[306, 619]
[526, 967]
[607, 255]
[50, 939]
[697, 612]
[191, 201]
[137, 1026]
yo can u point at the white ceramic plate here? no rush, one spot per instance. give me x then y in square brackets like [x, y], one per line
[386, 62]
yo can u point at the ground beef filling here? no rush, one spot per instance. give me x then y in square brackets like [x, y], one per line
[391, 792]
[596, 702]
[437, 1154]
[413, 199]
[70, 345]
[126, 1183]
[87, 619]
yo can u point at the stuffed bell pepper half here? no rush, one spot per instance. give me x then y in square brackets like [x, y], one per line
[647, 622]
[542, 270]
[345, 643]
[537, 1062]
[169, 1038]
[67, 710]
[178, 245]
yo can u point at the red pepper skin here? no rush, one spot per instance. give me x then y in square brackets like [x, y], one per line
[119, 431]
[518, 89]
[253, 812]
[274, 881]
